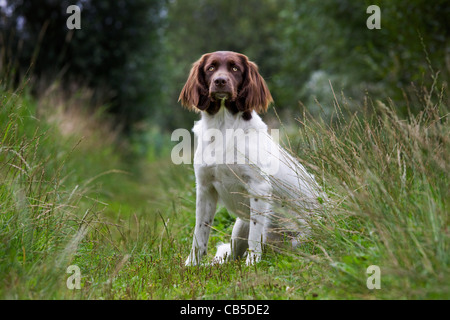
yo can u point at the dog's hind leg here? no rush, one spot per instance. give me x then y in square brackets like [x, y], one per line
[238, 246]
[239, 238]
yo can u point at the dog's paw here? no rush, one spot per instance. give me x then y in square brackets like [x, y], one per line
[190, 262]
[252, 258]
[223, 253]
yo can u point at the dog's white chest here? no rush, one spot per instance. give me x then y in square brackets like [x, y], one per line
[231, 184]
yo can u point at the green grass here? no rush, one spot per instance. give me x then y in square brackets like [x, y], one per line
[69, 195]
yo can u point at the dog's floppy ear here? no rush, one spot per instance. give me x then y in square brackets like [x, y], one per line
[254, 93]
[194, 95]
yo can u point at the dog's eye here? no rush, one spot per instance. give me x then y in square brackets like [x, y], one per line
[235, 69]
[211, 68]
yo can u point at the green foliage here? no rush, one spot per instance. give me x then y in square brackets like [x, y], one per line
[389, 179]
[116, 51]
[53, 189]
[69, 201]
[301, 46]
[137, 54]
[74, 192]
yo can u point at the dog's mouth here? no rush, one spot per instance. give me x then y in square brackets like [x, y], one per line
[220, 95]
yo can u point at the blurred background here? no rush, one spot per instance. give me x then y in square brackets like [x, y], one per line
[134, 56]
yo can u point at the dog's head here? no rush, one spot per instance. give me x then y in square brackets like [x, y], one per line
[227, 76]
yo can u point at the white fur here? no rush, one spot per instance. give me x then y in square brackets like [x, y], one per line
[245, 189]
[223, 253]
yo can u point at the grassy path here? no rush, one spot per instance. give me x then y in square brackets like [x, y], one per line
[68, 198]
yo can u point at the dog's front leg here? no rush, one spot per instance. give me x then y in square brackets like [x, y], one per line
[206, 203]
[259, 213]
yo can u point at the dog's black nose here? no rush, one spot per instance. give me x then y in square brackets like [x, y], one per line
[220, 81]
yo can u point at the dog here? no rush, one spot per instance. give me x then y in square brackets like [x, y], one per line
[236, 162]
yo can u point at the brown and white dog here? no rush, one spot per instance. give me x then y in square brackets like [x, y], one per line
[244, 168]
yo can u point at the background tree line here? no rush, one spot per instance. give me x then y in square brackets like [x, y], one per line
[136, 54]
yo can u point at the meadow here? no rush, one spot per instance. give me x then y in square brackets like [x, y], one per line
[74, 193]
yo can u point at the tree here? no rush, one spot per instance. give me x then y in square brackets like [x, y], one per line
[115, 51]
